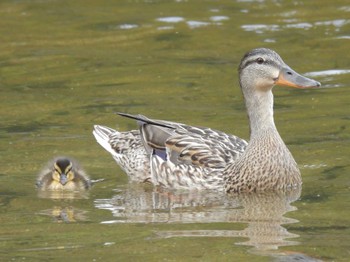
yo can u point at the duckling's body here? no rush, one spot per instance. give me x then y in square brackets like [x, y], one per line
[175, 155]
[63, 174]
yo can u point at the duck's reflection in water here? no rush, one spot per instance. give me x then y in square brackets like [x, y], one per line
[262, 213]
[63, 211]
[63, 194]
[66, 214]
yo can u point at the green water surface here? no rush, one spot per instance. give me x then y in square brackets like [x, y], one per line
[67, 65]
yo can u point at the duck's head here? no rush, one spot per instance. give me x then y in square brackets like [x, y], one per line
[263, 68]
[63, 171]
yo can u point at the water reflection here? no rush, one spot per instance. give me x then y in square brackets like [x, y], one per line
[263, 213]
[63, 212]
[219, 18]
[171, 19]
[292, 23]
[192, 24]
[61, 194]
[330, 72]
[66, 214]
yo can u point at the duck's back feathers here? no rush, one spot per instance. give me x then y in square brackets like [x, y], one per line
[184, 144]
[161, 148]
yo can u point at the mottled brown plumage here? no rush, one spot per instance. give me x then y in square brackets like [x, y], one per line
[179, 156]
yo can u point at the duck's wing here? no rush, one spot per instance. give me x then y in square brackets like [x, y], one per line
[181, 144]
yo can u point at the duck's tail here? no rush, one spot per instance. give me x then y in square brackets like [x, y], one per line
[102, 135]
[127, 150]
[141, 119]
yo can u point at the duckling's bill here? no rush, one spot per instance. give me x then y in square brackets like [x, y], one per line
[63, 179]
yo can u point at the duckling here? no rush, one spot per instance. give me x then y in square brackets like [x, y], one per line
[63, 173]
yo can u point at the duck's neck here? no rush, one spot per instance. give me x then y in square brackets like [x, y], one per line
[266, 162]
[260, 112]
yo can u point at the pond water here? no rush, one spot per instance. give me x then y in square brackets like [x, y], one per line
[67, 65]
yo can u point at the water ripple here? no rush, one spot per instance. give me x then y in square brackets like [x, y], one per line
[300, 25]
[218, 18]
[128, 26]
[196, 24]
[336, 23]
[330, 72]
[261, 28]
[213, 20]
[171, 19]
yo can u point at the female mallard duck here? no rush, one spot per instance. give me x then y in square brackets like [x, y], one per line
[175, 155]
[63, 174]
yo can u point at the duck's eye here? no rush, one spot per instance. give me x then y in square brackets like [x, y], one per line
[260, 60]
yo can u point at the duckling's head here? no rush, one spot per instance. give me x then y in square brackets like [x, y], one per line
[62, 174]
[63, 171]
[262, 68]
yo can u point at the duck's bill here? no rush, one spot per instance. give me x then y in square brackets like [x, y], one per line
[63, 179]
[289, 77]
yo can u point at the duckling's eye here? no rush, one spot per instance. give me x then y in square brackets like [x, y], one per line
[260, 60]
